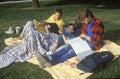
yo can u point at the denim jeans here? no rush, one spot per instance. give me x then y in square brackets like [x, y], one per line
[66, 53]
[63, 54]
[61, 41]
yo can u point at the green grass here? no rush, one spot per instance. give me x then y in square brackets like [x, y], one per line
[23, 71]
[15, 15]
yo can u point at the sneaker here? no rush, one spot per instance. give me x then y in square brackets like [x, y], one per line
[49, 53]
[10, 30]
[43, 61]
[18, 29]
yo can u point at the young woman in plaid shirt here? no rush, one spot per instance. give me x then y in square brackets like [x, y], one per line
[92, 28]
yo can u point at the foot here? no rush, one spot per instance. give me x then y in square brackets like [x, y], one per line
[18, 29]
[20, 38]
[43, 61]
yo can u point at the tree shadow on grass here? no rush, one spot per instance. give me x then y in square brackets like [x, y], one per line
[58, 3]
[113, 35]
[98, 4]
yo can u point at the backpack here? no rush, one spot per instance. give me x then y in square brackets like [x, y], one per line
[96, 61]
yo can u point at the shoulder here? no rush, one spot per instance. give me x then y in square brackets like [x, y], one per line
[52, 16]
[97, 20]
[60, 21]
[84, 25]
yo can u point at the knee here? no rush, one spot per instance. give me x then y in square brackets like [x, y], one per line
[29, 23]
[71, 53]
[68, 46]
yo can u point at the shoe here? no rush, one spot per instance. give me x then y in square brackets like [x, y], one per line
[43, 61]
[18, 29]
[10, 30]
[49, 53]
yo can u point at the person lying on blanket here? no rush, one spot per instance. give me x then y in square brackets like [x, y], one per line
[92, 31]
[76, 29]
[69, 29]
[68, 33]
[34, 42]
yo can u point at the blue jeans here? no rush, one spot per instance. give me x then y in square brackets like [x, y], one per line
[61, 41]
[66, 53]
[63, 54]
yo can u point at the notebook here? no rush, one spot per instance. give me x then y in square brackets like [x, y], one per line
[81, 48]
[53, 28]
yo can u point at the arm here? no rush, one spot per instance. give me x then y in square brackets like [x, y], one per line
[98, 34]
[83, 32]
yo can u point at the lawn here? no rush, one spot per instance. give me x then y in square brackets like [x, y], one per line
[18, 14]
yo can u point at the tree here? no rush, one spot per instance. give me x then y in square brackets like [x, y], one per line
[36, 3]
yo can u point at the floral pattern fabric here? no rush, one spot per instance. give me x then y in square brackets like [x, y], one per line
[34, 42]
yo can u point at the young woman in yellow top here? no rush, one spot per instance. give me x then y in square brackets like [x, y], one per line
[54, 18]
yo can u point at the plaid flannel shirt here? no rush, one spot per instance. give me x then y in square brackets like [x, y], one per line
[98, 33]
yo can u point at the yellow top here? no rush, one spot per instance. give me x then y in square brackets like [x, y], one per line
[59, 22]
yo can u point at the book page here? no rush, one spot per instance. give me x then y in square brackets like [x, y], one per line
[80, 47]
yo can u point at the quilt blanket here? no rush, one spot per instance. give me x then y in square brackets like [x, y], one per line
[68, 69]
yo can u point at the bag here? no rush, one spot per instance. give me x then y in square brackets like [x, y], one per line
[96, 61]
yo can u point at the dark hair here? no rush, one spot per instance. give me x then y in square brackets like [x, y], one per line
[73, 22]
[59, 11]
[70, 24]
[85, 13]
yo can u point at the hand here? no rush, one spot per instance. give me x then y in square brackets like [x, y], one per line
[88, 38]
[47, 29]
[60, 32]
[42, 24]
[83, 36]
[20, 38]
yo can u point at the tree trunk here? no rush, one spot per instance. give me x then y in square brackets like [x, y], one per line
[36, 3]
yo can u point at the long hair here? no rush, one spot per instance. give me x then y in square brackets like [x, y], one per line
[85, 13]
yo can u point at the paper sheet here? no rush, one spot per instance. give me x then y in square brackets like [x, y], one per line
[80, 46]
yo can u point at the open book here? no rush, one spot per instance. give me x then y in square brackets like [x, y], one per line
[80, 46]
[37, 25]
[53, 28]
